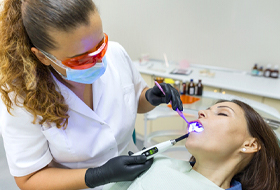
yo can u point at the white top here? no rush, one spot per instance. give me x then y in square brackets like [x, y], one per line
[165, 174]
[91, 137]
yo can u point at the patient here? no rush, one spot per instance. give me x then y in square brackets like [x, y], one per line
[236, 150]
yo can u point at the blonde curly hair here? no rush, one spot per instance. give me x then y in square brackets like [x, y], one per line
[24, 80]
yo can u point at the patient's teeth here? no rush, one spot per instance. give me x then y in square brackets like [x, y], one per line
[195, 126]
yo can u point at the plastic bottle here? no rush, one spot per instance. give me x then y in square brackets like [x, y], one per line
[199, 88]
[267, 71]
[274, 72]
[177, 85]
[184, 88]
[255, 70]
[191, 88]
[260, 71]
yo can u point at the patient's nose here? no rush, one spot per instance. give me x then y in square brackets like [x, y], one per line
[201, 114]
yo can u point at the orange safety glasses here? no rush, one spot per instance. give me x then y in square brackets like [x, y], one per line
[90, 58]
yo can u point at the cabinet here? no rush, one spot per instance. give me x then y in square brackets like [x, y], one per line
[209, 88]
[272, 102]
[148, 79]
[243, 95]
[165, 123]
[269, 101]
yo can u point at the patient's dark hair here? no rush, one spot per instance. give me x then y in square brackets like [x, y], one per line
[263, 171]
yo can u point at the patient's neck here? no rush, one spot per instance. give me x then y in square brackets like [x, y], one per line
[218, 171]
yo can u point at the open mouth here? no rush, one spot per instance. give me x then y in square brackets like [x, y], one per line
[195, 126]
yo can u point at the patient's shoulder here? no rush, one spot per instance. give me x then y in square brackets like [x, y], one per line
[169, 173]
[179, 165]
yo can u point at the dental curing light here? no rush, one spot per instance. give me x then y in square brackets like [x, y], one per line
[177, 110]
[150, 152]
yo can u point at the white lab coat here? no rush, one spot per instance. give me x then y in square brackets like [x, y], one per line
[91, 137]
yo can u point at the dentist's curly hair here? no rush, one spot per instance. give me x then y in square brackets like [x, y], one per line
[263, 171]
[24, 80]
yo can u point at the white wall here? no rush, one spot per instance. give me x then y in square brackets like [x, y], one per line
[228, 33]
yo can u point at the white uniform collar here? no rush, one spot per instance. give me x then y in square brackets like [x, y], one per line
[74, 102]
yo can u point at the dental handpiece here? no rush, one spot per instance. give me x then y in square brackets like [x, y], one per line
[161, 147]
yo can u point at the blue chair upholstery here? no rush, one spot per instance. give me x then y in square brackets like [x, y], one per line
[134, 136]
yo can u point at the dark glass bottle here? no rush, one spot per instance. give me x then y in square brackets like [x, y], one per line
[267, 71]
[199, 88]
[274, 72]
[184, 88]
[191, 88]
[255, 70]
[159, 79]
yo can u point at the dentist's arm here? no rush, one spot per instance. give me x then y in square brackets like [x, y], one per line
[121, 168]
[53, 178]
[143, 104]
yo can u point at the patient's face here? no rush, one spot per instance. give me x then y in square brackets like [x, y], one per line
[225, 130]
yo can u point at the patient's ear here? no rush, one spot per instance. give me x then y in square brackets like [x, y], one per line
[251, 145]
[40, 56]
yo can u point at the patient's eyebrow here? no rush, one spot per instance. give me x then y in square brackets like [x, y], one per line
[226, 107]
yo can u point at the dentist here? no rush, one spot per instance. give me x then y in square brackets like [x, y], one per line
[69, 97]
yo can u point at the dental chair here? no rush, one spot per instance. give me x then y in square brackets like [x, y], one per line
[270, 115]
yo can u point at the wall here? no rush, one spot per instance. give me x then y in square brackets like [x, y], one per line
[227, 33]
[231, 33]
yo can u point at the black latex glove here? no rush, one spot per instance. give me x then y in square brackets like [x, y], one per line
[156, 97]
[121, 168]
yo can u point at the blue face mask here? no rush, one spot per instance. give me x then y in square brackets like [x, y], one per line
[85, 76]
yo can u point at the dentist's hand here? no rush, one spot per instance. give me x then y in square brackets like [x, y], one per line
[156, 97]
[121, 168]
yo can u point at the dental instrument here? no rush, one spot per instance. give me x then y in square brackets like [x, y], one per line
[177, 110]
[150, 152]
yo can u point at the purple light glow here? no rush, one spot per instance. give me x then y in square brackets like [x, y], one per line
[195, 126]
